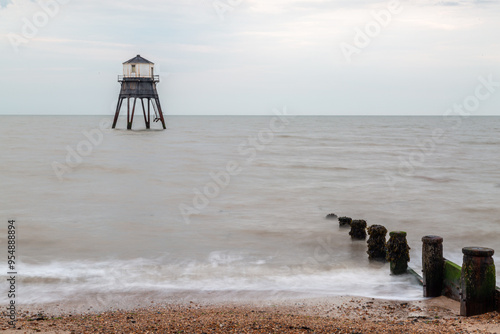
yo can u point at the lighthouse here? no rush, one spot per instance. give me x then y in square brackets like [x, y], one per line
[139, 82]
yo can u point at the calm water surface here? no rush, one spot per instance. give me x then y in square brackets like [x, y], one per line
[158, 211]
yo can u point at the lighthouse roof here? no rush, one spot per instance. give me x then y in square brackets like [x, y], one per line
[138, 60]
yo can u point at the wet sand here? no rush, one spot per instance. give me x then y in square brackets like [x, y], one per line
[310, 315]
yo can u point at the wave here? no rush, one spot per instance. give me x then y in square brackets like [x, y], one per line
[60, 281]
[436, 179]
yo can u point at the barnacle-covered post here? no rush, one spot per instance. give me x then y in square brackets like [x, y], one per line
[358, 229]
[345, 221]
[432, 265]
[377, 249]
[398, 252]
[477, 282]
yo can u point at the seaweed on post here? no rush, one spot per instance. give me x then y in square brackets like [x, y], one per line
[358, 229]
[377, 249]
[345, 221]
[398, 252]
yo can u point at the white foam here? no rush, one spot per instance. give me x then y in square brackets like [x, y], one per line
[42, 283]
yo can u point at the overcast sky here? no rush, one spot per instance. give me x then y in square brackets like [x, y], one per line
[317, 57]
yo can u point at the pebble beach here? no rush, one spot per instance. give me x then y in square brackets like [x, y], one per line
[323, 315]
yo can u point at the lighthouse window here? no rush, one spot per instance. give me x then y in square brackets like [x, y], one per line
[133, 68]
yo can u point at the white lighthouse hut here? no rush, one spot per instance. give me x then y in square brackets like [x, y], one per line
[138, 67]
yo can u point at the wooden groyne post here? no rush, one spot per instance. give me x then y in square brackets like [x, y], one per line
[377, 249]
[477, 281]
[345, 221]
[432, 265]
[358, 230]
[473, 284]
[398, 252]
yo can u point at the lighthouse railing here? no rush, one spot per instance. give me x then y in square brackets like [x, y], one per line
[155, 78]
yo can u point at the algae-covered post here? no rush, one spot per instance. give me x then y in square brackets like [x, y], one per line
[432, 265]
[398, 252]
[477, 283]
[331, 216]
[358, 229]
[377, 249]
[345, 221]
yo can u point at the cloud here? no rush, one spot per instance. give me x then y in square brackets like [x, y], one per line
[4, 3]
[451, 3]
[278, 49]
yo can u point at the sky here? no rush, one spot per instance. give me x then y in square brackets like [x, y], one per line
[248, 57]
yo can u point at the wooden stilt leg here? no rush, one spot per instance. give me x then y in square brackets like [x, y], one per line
[128, 112]
[117, 112]
[129, 127]
[144, 113]
[160, 112]
[149, 113]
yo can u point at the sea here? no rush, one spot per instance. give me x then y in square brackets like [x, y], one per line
[234, 207]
